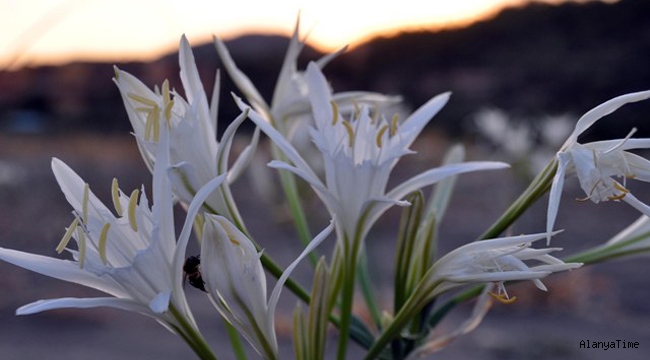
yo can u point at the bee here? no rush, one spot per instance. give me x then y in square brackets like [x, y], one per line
[192, 272]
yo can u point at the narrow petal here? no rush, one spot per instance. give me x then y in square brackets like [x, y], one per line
[282, 143]
[243, 83]
[82, 303]
[555, 194]
[434, 175]
[275, 295]
[65, 270]
[602, 110]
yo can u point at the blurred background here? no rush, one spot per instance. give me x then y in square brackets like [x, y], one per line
[521, 74]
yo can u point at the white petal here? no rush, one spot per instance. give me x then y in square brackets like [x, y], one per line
[160, 303]
[414, 124]
[81, 303]
[275, 295]
[606, 108]
[434, 175]
[555, 194]
[243, 83]
[61, 269]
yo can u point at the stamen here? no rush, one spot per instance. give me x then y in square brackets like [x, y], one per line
[168, 111]
[623, 141]
[115, 192]
[620, 188]
[133, 202]
[142, 100]
[348, 127]
[335, 112]
[165, 92]
[148, 125]
[233, 240]
[393, 125]
[380, 135]
[103, 235]
[156, 123]
[81, 242]
[84, 204]
[503, 298]
[67, 236]
[357, 109]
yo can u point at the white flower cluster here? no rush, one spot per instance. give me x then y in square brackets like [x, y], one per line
[133, 255]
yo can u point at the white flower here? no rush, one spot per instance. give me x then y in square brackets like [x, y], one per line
[359, 155]
[291, 94]
[494, 260]
[236, 283]
[196, 156]
[598, 163]
[132, 256]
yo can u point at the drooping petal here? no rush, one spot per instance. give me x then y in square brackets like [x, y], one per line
[65, 270]
[604, 109]
[82, 303]
[555, 195]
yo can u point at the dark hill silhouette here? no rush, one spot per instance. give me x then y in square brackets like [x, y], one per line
[532, 60]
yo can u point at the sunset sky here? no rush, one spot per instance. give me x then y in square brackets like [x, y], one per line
[56, 31]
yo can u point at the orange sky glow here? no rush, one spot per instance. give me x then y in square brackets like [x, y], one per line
[56, 31]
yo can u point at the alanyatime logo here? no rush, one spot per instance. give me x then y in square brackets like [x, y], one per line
[606, 345]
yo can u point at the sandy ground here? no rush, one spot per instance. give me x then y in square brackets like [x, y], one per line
[607, 302]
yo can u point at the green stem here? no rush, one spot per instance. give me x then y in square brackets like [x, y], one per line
[538, 187]
[363, 277]
[191, 336]
[235, 341]
[350, 257]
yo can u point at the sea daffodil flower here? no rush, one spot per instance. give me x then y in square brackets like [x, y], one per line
[236, 284]
[493, 260]
[133, 255]
[359, 155]
[291, 94]
[597, 163]
[196, 156]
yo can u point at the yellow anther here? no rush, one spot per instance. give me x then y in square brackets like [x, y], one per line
[393, 125]
[165, 92]
[357, 109]
[67, 236]
[133, 202]
[168, 111]
[620, 188]
[81, 243]
[156, 123]
[375, 115]
[348, 127]
[142, 100]
[502, 298]
[233, 240]
[115, 192]
[84, 204]
[380, 135]
[103, 235]
[335, 113]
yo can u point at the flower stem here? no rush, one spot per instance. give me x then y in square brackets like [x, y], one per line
[191, 336]
[538, 187]
[349, 263]
[235, 341]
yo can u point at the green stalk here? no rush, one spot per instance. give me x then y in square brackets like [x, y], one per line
[363, 277]
[347, 293]
[235, 341]
[191, 336]
[538, 187]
